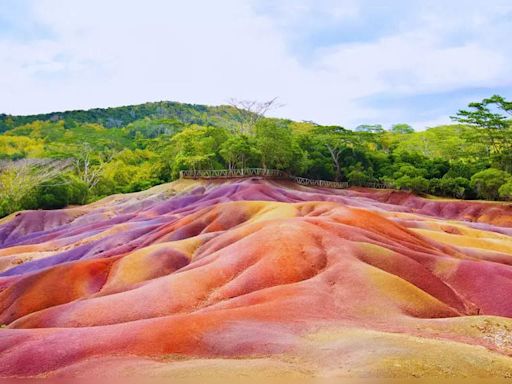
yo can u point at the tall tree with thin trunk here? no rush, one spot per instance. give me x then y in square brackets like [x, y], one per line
[336, 140]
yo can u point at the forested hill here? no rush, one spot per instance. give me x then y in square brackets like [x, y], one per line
[122, 116]
[62, 158]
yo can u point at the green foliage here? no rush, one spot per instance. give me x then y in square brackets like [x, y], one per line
[239, 152]
[127, 149]
[460, 168]
[416, 184]
[505, 190]
[487, 183]
[491, 118]
[402, 129]
[196, 147]
[337, 144]
[449, 142]
[276, 146]
[370, 128]
[152, 128]
[221, 116]
[60, 192]
[21, 180]
[18, 147]
[359, 177]
[458, 187]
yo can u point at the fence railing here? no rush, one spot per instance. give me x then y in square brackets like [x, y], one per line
[231, 173]
[319, 183]
[276, 174]
[260, 172]
[375, 185]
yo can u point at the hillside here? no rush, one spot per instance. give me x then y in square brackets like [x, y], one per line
[77, 157]
[116, 117]
[258, 277]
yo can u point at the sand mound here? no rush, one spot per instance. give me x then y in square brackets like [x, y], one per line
[258, 278]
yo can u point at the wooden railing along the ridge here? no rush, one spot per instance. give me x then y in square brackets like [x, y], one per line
[259, 172]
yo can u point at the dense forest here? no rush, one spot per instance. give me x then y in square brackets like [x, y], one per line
[75, 157]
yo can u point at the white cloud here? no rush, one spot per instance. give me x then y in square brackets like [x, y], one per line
[106, 53]
[414, 63]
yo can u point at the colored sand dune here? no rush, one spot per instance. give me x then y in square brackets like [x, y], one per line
[259, 278]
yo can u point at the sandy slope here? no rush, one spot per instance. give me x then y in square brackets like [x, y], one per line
[258, 278]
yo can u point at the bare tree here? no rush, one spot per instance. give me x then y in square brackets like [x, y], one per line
[89, 167]
[19, 178]
[250, 111]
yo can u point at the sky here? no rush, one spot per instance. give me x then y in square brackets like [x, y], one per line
[344, 62]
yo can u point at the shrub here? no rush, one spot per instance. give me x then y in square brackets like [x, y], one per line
[417, 184]
[359, 177]
[458, 187]
[60, 192]
[487, 183]
[505, 190]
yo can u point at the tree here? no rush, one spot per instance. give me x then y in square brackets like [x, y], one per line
[131, 148]
[487, 183]
[359, 177]
[196, 147]
[402, 129]
[237, 151]
[152, 128]
[370, 128]
[249, 112]
[465, 169]
[89, 165]
[491, 116]
[458, 187]
[336, 140]
[276, 145]
[450, 142]
[505, 190]
[18, 179]
[318, 162]
[417, 184]
[60, 192]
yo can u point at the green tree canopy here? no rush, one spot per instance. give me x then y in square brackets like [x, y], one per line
[487, 183]
[491, 118]
[402, 129]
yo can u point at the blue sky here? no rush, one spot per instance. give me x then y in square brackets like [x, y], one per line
[344, 62]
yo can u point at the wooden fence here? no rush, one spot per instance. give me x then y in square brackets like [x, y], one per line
[232, 173]
[276, 174]
[258, 172]
[374, 185]
[319, 183]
